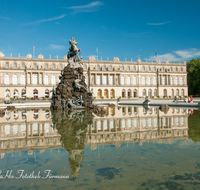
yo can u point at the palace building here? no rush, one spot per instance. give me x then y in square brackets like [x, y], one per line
[108, 79]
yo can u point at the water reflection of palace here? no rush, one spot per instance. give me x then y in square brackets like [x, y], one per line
[27, 130]
[137, 124]
[31, 129]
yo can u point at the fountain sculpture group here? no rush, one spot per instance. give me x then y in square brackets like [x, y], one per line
[72, 91]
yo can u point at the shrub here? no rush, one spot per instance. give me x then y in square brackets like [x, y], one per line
[20, 98]
[111, 97]
[120, 97]
[28, 98]
[147, 96]
[164, 96]
[11, 98]
[94, 97]
[129, 97]
[169, 96]
[152, 96]
[102, 97]
[180, 96]
[190, 95]
[186, 96]
[45, 98]
[158, 96]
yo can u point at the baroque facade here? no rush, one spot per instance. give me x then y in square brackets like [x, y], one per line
[108, 79]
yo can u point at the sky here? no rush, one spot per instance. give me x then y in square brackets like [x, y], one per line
[126, 29]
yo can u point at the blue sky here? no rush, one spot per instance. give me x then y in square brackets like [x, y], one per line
[126, 29]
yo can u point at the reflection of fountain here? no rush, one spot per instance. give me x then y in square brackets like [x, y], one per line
[72, 126]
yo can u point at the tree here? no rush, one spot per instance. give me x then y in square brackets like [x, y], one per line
[193, 68]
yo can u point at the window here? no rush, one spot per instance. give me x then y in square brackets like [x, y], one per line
[111, 124]
[144, 122]
[150, 122]
[46, 79]
[53, 66]
[176, 81]
[104, 79]
[122, 81]
[15, 65]
[7, 79]
[177, 120]
[23, 79]
[111, 80]
[111, 68]
[155, 92]
[15, 79]
[7, 65]
[143, 68]
[128, 68]
[134, 81]
[98, 67]
[181, 69]
[149, 68]
[176, 69]
[35, 128]
[7, 129]
[135, 122]
[105, 125]
[104, 67]
[129, 123]
[134, 68]
[154, 68]
[155, 122]
[23, 128]
[123, 123]
[98, 80]
[35, 79]
[46, 66]
[61, 66]
[35, 66]
[154, 81]
[23, 65]
[15, 129]
[47, 127]
[144, 92]
[149, 80]
[122, 68]
[181, 80]
[182, 92]
[171, 69]
[177, 92]
[143, 81]
[171, 80]
[53, 79]
[163, 80]
[163, 69]
[99, 125]
[128, 80]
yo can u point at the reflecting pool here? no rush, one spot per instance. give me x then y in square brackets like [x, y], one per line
[128, 148]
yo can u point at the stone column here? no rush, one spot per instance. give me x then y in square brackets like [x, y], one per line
[95, 79]
[101, 79]
[114, 79]
[108, 78]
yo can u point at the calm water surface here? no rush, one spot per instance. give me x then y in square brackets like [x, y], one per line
[129, 148]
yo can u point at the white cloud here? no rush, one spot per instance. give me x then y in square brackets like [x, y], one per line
[46, 20]
[55, 47]
[91, 7]
[6, 18]
[189, 53]
[157, 24]
[179, 55]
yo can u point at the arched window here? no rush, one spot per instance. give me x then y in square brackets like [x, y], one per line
[149, 80]
[155, 92]
[53, 80]
[47, 93]
[181, 81]
[123, 93]
[154, 81]
[129, 93]
[128, 80]
[23, 79]
[182, 92]
[47, 127]
[150, 93]
[176, 81]
[177, 92]
[143, 81]
[15, 94]
[163, 80]
[134, 80]
[7, 94]
[46, 80]
[171, 81]
[22, 93]
[172, 92]
[35, 79]
[15, 79]
[122, 80]
[7, 79]
[144, 92]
